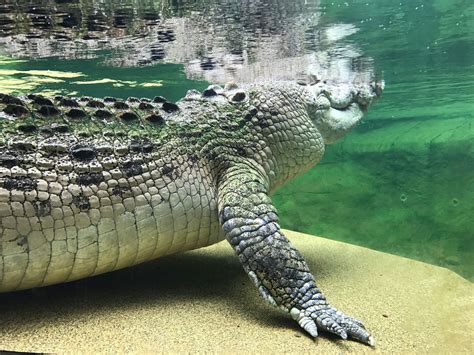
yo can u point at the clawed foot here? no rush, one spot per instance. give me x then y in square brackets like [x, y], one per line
[327, 318]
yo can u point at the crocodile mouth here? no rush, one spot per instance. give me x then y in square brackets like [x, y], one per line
[346, 98]
[349, 111]
[339, 108]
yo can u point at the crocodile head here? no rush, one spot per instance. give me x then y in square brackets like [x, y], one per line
[336, 107]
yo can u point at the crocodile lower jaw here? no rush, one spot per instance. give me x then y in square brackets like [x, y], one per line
[334, 123]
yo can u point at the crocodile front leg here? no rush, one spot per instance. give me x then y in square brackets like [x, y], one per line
[278, 270]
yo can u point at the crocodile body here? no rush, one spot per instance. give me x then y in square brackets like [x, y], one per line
[89, 186]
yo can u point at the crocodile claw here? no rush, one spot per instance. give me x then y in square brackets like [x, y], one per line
[331, 320]
[309, 325]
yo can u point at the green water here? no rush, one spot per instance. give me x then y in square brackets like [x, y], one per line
[403, 181]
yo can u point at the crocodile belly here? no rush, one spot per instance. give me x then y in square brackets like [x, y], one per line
[53, 232]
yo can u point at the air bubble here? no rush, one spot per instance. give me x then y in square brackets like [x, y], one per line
[403, 197]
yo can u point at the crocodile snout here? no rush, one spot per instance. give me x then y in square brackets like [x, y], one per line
[366, 94]
[337, 107]
[341, 96]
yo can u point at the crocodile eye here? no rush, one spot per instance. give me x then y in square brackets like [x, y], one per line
[313, 79]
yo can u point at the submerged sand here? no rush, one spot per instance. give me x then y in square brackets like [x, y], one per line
[202, 301]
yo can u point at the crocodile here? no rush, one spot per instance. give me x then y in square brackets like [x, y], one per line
[88, 185]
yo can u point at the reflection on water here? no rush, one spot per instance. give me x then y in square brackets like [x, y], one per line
[216, 40]
[47, 74]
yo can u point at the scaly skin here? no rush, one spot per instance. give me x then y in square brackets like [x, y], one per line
[88, 186]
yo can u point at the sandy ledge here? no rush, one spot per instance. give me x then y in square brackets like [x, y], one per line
[202, 301]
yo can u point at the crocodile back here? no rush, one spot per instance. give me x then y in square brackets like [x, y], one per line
[89, 186]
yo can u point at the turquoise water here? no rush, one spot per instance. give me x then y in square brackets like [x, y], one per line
[402, 182]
